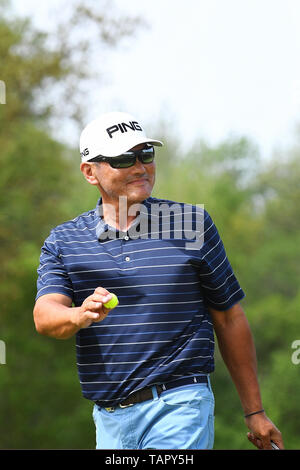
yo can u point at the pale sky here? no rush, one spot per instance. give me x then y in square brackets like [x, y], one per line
[212, 67]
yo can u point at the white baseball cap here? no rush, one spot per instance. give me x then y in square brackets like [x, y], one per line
[112, 134]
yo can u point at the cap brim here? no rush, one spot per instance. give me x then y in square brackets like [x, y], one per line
[128, 146]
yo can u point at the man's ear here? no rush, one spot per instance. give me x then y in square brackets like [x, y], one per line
[88, 172]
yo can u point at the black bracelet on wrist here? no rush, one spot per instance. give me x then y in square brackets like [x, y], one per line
[254, 413]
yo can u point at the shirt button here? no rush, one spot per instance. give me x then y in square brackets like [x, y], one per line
[127, 258]
[126, 237]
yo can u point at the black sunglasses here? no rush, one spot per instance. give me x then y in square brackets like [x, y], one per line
[128, 159]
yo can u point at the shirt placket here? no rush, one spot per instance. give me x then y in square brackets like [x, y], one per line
[126, 256]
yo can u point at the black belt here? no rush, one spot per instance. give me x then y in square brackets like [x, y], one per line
[146, 393]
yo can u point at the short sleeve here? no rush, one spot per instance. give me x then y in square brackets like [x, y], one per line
[220, 286]
[52, 275]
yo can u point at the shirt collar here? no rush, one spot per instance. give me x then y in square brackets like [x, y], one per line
[103, 227]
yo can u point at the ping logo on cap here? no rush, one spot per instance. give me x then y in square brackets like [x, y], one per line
[85, 152]
[122, 127]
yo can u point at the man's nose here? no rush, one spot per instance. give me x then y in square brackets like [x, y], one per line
[139, 167]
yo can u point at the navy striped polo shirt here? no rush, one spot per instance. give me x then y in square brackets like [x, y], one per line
[165, 282]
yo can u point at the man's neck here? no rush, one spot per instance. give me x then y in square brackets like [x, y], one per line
[120, 214]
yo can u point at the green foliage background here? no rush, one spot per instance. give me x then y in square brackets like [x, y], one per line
[255, 205]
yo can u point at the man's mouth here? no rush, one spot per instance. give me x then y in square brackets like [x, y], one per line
[138, 180]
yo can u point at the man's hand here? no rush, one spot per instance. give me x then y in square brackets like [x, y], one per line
[263, 431]
[92, 309]
[54, 315]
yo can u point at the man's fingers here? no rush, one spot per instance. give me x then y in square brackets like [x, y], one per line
[92, 306]
[266, 443]
[96, 301]
[277, 439]
[256, 442]
[101, 291]
[91, 317]
[263, 443]
[101, 297]
[92, 309]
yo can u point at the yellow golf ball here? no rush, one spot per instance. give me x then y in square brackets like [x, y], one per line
[112, 303]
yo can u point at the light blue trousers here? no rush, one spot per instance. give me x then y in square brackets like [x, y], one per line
[180, 418]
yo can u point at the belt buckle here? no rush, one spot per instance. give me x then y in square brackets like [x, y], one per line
[110, 409]
[125, 406]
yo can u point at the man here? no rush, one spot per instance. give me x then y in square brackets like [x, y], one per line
[146, 363]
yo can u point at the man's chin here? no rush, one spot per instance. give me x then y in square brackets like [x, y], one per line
[137, 196]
